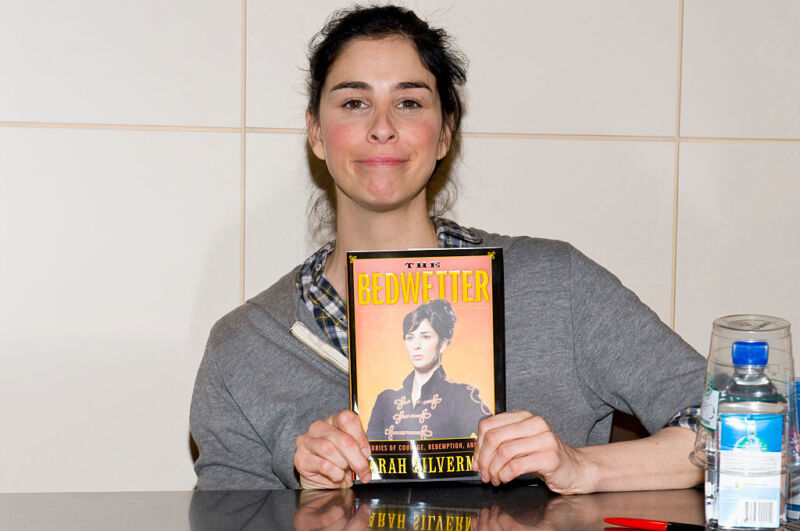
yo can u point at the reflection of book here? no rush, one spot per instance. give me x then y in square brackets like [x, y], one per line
[427, 356]
[421, 516]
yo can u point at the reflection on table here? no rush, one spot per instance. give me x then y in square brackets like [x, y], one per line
[447, 507]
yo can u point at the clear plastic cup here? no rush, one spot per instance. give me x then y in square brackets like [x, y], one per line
[780, 370]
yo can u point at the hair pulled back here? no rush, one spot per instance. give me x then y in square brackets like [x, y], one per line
[438, 312]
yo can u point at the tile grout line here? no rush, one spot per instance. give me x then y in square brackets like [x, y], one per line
[676, 176]
[122, 127]
[243, 157]
[487, 135]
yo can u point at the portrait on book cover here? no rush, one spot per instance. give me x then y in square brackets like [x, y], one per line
[425, 368]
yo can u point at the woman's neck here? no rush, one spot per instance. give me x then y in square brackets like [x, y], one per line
[407, 228]
[420, 379]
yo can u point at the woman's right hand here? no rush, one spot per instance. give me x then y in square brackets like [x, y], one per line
[330, 450]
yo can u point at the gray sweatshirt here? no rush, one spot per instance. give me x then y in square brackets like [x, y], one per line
[578, 346]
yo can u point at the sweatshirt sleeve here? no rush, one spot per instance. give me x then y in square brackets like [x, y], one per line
[232, 454]
[625, 355]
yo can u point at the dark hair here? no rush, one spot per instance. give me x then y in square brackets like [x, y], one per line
[438, 312]
[437, 54]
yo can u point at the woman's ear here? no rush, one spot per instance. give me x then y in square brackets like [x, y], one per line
[445, 138]
[315, 135]
[443, 345]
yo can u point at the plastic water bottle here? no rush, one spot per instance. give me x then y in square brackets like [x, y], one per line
[751, 436]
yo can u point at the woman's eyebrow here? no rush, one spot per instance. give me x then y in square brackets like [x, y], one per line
[358, 85]
[412, 84]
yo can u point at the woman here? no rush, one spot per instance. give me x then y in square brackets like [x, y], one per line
[270, 408]
[428, 405]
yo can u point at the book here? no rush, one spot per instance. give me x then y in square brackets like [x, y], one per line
[427, 356]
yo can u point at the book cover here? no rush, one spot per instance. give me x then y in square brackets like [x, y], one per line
[427, 359]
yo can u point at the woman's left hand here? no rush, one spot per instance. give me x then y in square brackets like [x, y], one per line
[512, 444]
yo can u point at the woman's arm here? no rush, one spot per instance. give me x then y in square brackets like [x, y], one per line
[232, 454]
[512, 444]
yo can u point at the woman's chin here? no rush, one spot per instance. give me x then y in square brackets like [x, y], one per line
[387, 200]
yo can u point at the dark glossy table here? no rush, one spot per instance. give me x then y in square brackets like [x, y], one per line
[445, 507]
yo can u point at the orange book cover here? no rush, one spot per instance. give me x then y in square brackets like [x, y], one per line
[426, 336]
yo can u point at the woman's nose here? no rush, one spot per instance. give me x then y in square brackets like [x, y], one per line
[382, 129]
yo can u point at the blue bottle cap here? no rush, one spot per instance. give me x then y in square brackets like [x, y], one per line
[750, 353]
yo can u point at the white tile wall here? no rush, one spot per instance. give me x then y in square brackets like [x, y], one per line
[739, 235]
[741, 69]
[144, 62]
[120, 249]
[613, 201]
[577, 66]
[278, 191]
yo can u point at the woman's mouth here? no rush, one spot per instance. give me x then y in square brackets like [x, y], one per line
[382, 161]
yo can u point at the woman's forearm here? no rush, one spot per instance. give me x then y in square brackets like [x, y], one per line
[660, 461]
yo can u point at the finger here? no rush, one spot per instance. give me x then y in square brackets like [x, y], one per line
[493, 438]
[350, 423]
[539, 454]
[345, 452]
[499, 420]
[531, 442]
[542, 463]
[492, 423]
[507, 452]
[325, 441]
[352, 443]
[320, 473]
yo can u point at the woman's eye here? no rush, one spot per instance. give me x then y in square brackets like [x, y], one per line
[354, 104]
[409, 104]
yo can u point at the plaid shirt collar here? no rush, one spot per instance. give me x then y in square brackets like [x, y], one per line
[329, 309]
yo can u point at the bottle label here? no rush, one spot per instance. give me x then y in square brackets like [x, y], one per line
[708, 411]
[750, 470]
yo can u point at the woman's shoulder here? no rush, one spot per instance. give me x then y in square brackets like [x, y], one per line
[527, 258]
[270, 311]
[467, 395]
[459, 387]
[388, 397]
[530, 254]
[524, 245]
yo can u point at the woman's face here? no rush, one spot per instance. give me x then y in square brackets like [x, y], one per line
[379, 127]
[424, 347]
